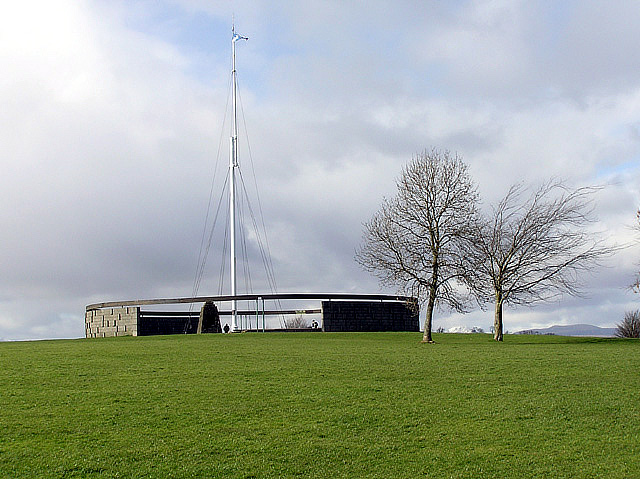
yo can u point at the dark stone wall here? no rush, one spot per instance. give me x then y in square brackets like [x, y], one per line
[368, 316]
[149, 326]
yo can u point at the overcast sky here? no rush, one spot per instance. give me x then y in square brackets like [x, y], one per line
[112, 118]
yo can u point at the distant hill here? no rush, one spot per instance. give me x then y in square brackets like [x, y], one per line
[574, 330]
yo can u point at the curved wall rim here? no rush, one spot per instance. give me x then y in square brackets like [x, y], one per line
[254, 297]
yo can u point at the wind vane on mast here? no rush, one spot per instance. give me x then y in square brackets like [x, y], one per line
[237, 37]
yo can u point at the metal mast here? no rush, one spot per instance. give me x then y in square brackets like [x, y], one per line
[233, 165]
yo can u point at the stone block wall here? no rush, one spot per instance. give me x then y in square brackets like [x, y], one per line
[101, 323]
[368, 316]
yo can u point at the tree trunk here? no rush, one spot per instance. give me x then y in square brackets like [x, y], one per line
[426, 338]
[497, 320]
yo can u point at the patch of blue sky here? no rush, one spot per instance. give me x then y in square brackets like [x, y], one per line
[556, 17]
[195, 34]
[610, 169]
[273, 41]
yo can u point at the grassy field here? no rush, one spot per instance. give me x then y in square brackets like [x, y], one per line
[320, 405]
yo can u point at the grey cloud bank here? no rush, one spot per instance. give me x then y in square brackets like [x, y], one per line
[112, 113]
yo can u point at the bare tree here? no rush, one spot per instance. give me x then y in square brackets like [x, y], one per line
[297, 322]
[630, 326]
[535, 249]
[414, 241]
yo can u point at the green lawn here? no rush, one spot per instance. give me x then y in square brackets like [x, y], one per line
[320, 405]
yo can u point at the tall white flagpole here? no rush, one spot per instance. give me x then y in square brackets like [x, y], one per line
[233, 165]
